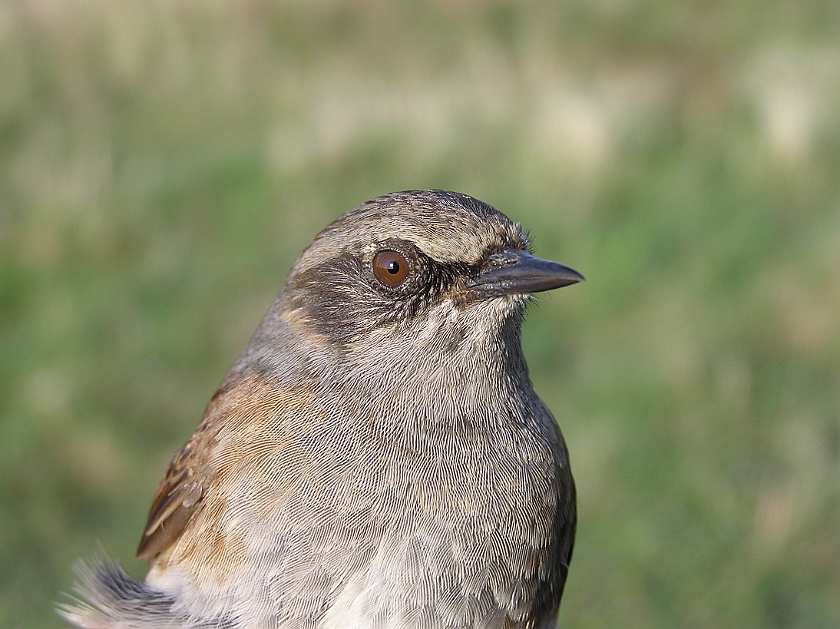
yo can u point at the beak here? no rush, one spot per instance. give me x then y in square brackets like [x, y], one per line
[517, 272]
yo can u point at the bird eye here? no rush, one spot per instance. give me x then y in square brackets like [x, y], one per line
[390, 268]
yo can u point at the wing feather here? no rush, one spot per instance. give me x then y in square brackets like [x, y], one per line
[180, 493]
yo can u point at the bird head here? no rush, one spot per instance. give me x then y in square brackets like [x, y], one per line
[424, 271]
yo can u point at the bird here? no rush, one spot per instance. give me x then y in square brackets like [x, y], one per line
[377, 457]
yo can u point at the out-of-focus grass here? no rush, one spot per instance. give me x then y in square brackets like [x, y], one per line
[162, 164]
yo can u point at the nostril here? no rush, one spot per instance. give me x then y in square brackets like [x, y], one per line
[506, 257]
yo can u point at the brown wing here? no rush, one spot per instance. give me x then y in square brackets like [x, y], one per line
[181, 490]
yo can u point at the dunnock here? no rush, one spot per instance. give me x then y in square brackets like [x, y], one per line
[377, 457]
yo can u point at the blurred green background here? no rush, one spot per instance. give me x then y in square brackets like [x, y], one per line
[162, 163]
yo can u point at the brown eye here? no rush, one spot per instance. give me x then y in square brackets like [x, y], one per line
[390, 268]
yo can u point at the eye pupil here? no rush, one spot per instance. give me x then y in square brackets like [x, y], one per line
[390, 268]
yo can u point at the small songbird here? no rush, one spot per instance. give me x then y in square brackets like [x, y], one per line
[377, 457]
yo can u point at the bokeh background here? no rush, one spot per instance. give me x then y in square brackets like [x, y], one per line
[163, 162]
